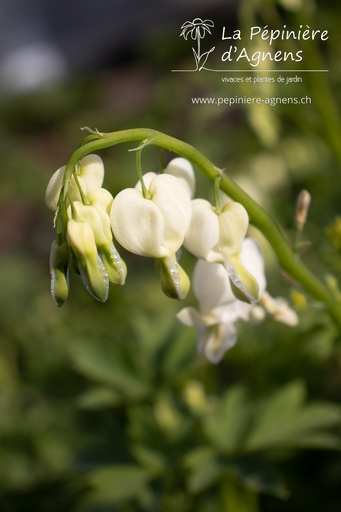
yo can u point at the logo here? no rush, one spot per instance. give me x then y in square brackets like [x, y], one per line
[255, 48]
[196, 30]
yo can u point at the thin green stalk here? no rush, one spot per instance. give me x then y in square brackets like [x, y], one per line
[145, 192]
[258, 216]
[217, 194]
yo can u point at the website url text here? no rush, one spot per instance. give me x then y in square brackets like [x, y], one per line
[250, 100]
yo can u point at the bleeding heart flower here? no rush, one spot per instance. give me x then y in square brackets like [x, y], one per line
[219, 309]
[217, 238]
[155, 226]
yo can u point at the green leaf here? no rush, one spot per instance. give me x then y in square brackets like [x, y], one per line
[259, 475]
[204, 469]
[317, 415]
[226, 426]
[236, 497]
[152, 332]
[106, 365]
[98, 398]
[180, 353]
[157, 435]
[320, 441]
[284, 421]
[153, 460]
[271, 423]
[117, 483]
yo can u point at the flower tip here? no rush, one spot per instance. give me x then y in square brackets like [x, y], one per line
[59, 271]
[59, 287]
[175, 282]
[114, 265]
[243, 284]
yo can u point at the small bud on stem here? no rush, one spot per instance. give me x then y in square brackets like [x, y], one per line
[302, 207]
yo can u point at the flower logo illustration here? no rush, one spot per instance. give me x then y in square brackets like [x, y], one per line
[196, 30]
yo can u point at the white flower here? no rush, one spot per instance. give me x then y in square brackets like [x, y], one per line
[89, 175]
[155, 226]
[152, 227]
[217, 238]
[219, 309]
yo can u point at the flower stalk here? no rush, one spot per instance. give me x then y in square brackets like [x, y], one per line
[258, 216]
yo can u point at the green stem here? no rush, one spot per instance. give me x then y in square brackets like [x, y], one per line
[258, 217]
[145, 192]
[217, 197]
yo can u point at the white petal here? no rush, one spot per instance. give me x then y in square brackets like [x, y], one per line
[233, 224]
[182, 169]
[147, 178]
[91, 215]
[246, 271]
[53, 188]
[211, 285]
[252, 259]
[214, 341]
[279, 309]
[203, 231]
[175, 206]
[101, 198]
[91, 170]
[233, 311]
[190, 317]
[244, 285]
[81, 239]
[138, 224]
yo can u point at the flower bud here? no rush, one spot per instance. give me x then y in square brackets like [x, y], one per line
[94, 275]
[114, 265]
[302, 207]
[59, 270]
[174, 280]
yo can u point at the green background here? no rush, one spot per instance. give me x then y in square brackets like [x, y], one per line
[108, 407]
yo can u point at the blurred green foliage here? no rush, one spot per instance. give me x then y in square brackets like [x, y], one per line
[108, 407]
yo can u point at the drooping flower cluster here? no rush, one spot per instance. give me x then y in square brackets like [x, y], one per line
[155, 219]
[87, 243]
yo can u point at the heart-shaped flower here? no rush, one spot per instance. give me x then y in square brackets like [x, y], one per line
[155, 226]
[217, 238]
[219, 309]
